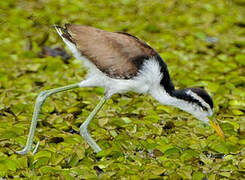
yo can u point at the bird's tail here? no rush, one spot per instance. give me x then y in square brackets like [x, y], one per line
[67, 38]
[63, 32]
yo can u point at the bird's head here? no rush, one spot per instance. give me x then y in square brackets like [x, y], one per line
[198, 103]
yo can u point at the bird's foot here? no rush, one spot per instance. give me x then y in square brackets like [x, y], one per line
[27, 149]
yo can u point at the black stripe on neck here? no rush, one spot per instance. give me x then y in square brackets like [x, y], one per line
[166, 81]
[181, 94]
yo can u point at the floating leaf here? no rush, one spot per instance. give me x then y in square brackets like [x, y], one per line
[41, 162]
[198, 176]
[201, 43]
[42, 154]
[221, 147]
[172, 152]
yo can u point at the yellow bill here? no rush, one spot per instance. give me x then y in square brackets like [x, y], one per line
[217, 128]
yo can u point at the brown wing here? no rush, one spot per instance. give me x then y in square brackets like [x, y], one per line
[119, 55]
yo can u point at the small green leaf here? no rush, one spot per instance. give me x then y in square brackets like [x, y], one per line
[198, 176]
[73, 160]
[40, 162]
[226, 174]
[41, 154]
[221, 147]
[172, 152]
[113, 133]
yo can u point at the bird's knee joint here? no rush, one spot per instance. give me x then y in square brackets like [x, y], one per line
[43, 93]
[108, 94]
[83, 131]
[42, 96]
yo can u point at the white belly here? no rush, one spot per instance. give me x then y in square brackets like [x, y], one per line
[148, 78]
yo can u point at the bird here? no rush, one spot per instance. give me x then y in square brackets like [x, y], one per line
[120, 62]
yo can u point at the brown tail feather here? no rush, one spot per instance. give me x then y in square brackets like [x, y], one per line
[65, 32]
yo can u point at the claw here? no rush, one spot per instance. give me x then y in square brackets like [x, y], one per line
[36, 148]
[23, 151]
[26, 150]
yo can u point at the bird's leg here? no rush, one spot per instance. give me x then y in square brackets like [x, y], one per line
[39, 102]
[84, 127]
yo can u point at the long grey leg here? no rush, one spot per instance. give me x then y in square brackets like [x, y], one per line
[39, 102]
[84, 127]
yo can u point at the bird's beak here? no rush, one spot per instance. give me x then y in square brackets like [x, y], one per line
[217, 128]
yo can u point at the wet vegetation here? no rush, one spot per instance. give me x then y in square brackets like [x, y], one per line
[201, 41]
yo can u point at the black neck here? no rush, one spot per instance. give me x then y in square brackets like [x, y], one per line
[166, 81]
[181, 94]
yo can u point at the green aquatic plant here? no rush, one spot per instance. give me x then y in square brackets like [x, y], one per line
[202, 43]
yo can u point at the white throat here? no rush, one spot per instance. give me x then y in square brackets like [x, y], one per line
[164, 98]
